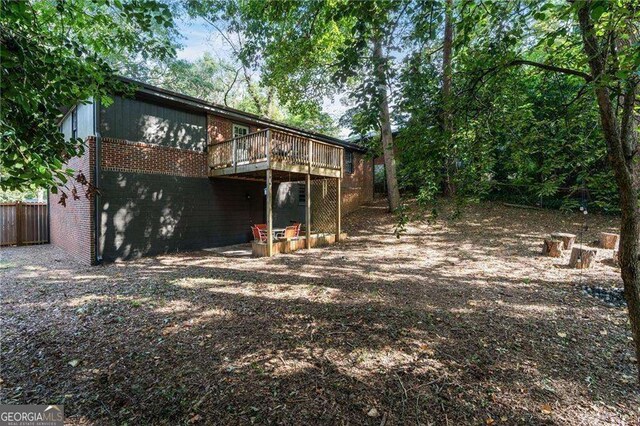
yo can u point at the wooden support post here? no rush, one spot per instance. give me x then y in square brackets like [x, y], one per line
[339, 210]
[19, 222]
[339, 218]
[310, 156]
[234, 154]
[268, 148]
[308, 211]
[269, 214]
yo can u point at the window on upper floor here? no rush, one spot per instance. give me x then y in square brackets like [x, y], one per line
[348, 162]
[240, 130]
[74, 123]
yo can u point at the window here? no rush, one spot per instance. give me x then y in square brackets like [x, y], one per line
[302, 194]
[74, 123]
[239, 130]
[348, 162]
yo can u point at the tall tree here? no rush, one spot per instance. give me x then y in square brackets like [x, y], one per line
[386, 132]
[608, 62]
[56, 54]
[309, 50]
[613, 55]
[447, 119]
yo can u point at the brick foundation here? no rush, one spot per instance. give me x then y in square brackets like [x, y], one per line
[357, 187]
[72, 227]
[125, 156]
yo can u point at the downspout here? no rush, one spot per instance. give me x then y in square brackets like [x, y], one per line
[48, 216]
[98, 146]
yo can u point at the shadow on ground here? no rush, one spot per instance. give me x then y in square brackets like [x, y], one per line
[454, 323]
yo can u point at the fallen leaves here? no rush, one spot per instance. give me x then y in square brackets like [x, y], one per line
[373, 412]
[490, 336]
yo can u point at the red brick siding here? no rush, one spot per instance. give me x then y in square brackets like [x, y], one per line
[357, 187]
[126, 156]
[221, 129]
[72, 227]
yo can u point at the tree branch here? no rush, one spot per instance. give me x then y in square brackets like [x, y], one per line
[553, 68]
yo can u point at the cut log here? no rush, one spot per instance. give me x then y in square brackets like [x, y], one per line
[552, 248]
[567, 239]
[582, 256]
[609, 241]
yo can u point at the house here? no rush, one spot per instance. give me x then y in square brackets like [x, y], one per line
[176, 173]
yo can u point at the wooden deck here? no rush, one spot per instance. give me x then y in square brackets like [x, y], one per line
[269, 149]
[275, 156]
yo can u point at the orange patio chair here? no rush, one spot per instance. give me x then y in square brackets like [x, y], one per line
[290, 232]
[258, 235]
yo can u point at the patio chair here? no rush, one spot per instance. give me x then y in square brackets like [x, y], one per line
[290, 232]
[262, 227]
[258, 235]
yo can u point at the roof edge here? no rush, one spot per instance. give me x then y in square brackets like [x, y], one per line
[164, 95]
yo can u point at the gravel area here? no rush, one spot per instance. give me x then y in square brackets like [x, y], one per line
[455, 322]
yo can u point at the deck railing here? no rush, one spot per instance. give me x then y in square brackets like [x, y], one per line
[274, 146]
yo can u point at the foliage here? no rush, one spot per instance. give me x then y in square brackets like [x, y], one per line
[55, 55]
[515, 127]
[11, 196]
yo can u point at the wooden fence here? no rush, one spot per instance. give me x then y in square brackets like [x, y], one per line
[24, 223]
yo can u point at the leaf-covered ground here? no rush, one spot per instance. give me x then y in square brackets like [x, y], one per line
[454, 323]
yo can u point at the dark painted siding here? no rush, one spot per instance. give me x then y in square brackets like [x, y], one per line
[140, 121]
[146, 214]
[286, 204]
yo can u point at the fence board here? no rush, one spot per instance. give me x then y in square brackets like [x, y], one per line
[24, 223]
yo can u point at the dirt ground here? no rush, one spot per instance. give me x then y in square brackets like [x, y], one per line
[457, 322]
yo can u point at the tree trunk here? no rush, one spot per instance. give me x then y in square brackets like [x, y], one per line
[552, 247]
[608, 240]
[393, 193]
[582, 257]
[447, 49]
[567, 239]
[621, 139]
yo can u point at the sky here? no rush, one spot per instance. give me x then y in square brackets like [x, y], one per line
[200, 37]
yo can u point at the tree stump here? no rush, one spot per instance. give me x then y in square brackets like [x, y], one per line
[616, 257]
[582, 257]
[567, 239]
[609, 241]
[552, 248]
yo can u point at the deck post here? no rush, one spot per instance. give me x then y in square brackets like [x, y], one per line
[339, 202]
[234, 155]
[268, 148]
[308, 211]
[309, 155]
[269, 214]
[339, 210]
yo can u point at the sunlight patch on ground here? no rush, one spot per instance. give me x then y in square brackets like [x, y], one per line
[174, 306]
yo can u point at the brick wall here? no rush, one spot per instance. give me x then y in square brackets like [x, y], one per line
[357, 187]
[126, 156]
[72, 227]
[221, 129]
[129, 168]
